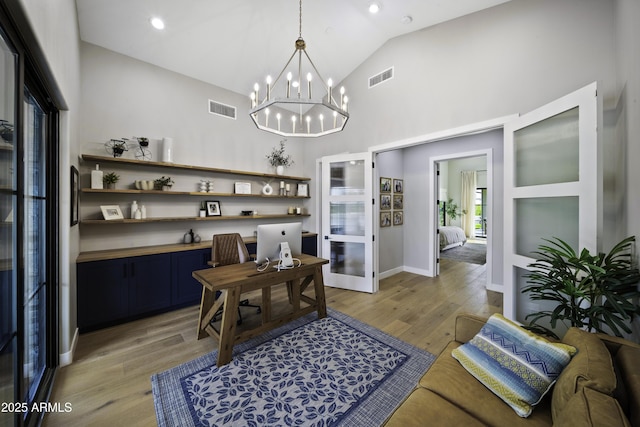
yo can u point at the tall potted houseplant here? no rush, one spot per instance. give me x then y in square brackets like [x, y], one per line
[594, 292]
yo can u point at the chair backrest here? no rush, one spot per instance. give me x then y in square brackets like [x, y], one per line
[228, 249]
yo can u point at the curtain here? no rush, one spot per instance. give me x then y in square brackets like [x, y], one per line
[468, 202]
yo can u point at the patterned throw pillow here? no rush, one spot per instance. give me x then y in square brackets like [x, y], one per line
[516, 365]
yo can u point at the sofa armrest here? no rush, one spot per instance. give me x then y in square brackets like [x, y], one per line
[614, 343]
[467, 326]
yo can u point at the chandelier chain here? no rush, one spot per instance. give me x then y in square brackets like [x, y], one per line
[300, 31]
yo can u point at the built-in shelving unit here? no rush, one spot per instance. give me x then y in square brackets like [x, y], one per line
[170, 193]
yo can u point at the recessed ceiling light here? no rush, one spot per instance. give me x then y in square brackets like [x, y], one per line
[374, 7]
[157, 23]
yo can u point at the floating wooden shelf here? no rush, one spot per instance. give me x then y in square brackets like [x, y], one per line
[185, 193]
[176, 219]
[103, 159]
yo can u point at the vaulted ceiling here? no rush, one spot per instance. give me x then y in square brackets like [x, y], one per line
[235, 43]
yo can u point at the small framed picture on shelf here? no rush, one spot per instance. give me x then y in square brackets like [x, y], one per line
[385, 185]
[213, 208]
[111, 212]
[242, 188]
[303, 190]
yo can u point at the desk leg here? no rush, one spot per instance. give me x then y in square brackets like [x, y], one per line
[318, 283]
[206, 302]
[228, 326]
[266, 305]
[294, 287]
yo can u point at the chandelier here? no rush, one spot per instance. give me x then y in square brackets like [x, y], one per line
[297, 111]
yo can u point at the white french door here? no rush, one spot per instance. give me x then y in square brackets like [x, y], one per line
[347, 221]
[552, 187]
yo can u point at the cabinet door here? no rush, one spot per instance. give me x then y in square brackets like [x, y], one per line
[149, 283]
[310, 245]
[102, 293]
[185, 289]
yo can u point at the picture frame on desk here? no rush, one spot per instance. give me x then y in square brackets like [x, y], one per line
[213, 208]
[111, 212]
[75, 189]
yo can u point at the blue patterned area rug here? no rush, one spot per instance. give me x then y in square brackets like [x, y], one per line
[335, 371]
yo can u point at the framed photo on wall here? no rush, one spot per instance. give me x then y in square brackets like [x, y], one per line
[385, 219]
[213, 208]
[385, 185]
[385, 202]
[398, 201]
[398, 185]
[398, 218]
[75, 189]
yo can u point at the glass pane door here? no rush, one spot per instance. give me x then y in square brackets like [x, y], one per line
[8, 208]
[346, 219]
[553, 182]
[34, 244]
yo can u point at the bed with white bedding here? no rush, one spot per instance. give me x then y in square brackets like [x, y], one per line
[451, 236]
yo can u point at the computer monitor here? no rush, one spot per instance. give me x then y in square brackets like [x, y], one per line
[271, 235]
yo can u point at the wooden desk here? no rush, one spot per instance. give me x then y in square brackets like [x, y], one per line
[233, 280]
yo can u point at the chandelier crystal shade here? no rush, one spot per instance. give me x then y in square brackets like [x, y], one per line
[299, 103]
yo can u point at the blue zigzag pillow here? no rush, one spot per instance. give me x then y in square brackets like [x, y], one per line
[516, 365]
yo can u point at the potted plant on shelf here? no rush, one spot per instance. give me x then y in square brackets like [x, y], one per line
[110, 180]
[594, 292]
[278, 159]
[164, 183]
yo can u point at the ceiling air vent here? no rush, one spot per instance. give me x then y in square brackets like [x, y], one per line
[223, 110]
[381, 77]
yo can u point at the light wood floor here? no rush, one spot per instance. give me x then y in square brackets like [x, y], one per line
[109, 381]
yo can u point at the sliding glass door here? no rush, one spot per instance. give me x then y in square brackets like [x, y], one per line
[28, 234]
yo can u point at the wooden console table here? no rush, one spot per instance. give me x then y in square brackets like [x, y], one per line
[233, 280]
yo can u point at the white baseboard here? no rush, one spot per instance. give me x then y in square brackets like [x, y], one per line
[495, 288]
[67, 358]
[419, 271]
[389, 273]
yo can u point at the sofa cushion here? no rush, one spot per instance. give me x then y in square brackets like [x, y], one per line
[515, 364]
[591, 367]
[589, 407]
[447, 378]
[423, 407]
[627, 359]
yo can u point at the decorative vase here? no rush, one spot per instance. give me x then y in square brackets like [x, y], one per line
[166, 188]
[111, 186]
[279, 170]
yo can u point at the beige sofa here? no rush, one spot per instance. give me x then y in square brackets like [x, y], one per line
[599, 387]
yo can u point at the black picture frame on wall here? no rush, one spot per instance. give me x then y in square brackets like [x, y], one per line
[213, 208]
[75, 190]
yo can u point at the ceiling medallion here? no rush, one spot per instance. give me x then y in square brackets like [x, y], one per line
[294, 112]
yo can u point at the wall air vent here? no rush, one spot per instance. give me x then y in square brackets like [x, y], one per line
[223, 110]
[381, 77]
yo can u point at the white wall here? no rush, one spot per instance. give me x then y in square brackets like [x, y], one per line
[124, 97]
[55, 25]
[390, 239]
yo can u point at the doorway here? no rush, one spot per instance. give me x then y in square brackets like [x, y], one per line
[462, 198]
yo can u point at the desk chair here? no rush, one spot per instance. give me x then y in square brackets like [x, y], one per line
[229, 249]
